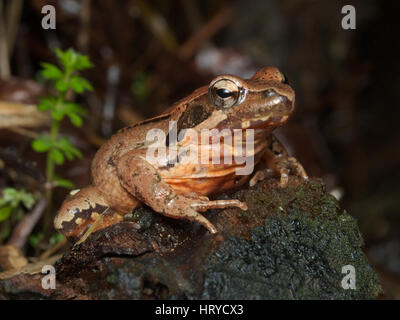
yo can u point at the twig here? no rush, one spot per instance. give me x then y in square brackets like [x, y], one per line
[4, 60]
[205, 33]
[193, 15]
[83, 37]
[24, 228]
[53, 249]
[113, 78]
[14, 10]
[24, 132]
[157, 24]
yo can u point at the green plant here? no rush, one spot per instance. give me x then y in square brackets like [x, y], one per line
[34, 239]
[56, 238]
[140, 86]
[12, 204]
[64, 79]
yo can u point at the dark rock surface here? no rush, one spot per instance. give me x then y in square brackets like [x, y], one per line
[291, 244]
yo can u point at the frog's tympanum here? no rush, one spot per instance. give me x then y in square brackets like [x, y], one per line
[123, 178]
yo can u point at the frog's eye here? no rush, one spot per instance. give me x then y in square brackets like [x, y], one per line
[224, 93]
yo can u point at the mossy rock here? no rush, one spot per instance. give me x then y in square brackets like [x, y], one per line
[292, 243]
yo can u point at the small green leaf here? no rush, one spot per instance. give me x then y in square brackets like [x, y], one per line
[68, 149]
[62, 85]
[63, 143]
[56, 238]
[83, 62]
[27, 199]
[140, 86]
[76, 85]
[57, 156]
[39, 146]
[75, 119]
[64, 57]
[59, 53]
[71, 107]
[35, 238]
[79, 84]
[42, 144]
[57, 114]
[68, 58]
[46, 104]
[10, 194]
[5, 213]
[13, 198]
[76, 152]
[59, 182]
[71, 56]
[50, 71]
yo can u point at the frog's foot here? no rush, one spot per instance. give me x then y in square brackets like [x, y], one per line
[260, 175]
[188, 208]
[279, 163]
[283, 168]
[297, 168]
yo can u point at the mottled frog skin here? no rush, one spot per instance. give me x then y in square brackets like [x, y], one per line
[122, 178]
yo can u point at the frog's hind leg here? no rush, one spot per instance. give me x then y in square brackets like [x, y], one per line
[82, 209]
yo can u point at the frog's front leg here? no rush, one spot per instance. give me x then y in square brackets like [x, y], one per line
[142, 180]
[278, 161]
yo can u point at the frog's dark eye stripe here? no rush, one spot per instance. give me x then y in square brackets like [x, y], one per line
[224, 93]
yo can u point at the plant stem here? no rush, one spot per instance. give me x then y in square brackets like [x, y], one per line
[5, 72]
[50, 165]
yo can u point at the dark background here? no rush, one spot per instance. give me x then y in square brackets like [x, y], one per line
[148, 54]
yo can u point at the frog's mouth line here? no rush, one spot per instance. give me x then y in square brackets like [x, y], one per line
[276, 100]
[276, 112]
[264, 122]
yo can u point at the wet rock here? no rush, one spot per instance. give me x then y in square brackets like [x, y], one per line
[291, 244]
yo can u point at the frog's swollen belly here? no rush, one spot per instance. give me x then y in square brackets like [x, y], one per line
[203, 180]
[209, 178]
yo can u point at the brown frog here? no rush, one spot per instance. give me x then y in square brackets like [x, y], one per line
[124, 178]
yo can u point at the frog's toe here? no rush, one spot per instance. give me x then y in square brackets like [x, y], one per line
[260, 175]
[204, 222]
[284, 180]
[297, 168]
[202, 205]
